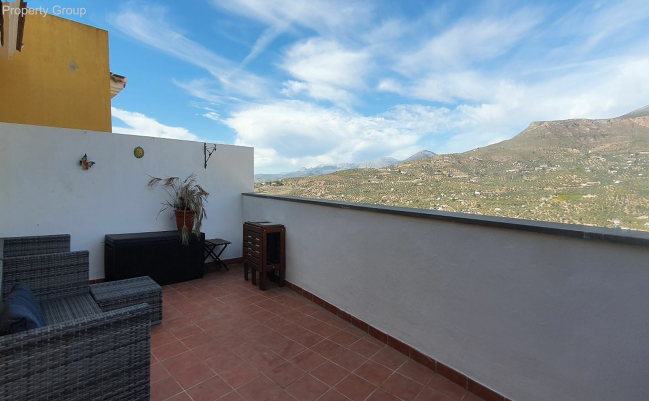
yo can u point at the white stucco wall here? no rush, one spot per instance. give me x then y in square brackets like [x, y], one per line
[533, 316]
[43, 190]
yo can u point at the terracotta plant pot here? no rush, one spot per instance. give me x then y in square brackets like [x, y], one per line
[184, 218]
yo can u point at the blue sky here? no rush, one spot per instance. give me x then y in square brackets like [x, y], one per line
[319, 82]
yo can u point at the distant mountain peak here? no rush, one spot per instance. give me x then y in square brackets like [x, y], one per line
[641, 112]
[422, 154]
[332, 168]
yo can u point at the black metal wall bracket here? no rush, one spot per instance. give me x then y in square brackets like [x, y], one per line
[207, 152]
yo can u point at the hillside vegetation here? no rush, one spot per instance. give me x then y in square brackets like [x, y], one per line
[581, 171]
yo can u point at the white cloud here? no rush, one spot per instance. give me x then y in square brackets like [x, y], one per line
[139, 124]
[446, 88]
[205, 89]
[325, 70]
[327, 17]
[495, 70]
[322, 16]
[468, 42]
[149, 26]
[605, 89]
[291, 134]
[298, 134]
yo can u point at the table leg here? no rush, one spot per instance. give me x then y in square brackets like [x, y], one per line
[218, 258]
[262, 279]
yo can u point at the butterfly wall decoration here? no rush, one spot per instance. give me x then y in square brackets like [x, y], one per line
[85, 163]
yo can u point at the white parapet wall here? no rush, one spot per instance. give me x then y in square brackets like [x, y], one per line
[44, 190]
[533, 315]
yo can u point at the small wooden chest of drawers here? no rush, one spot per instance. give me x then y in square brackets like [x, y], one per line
[264, 251]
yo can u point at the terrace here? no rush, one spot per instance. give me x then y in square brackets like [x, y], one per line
[223, 339]
[380, 303]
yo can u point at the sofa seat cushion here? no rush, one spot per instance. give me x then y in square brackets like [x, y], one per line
[20, 311]
[69, 308]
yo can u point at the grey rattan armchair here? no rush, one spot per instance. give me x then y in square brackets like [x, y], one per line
[28, 246]
[82, 353]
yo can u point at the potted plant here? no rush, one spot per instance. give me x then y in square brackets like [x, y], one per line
[187, 198]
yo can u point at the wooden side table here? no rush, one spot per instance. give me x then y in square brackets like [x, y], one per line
[264, 250]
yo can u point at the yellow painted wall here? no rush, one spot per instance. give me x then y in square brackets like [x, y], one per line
[60, 79]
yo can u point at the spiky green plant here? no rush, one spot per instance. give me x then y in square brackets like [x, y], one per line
[185, 195]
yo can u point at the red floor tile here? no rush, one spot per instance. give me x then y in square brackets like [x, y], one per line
[288, 349]
[285, 374]
[373, 372]
[162, 338]
[329, 373]
[416, 372]
[327, 348]
[200, 316]
[349, 360]
[180, 397]
[308, 338]
[365, 348]
[307, 388]
[266, 360]
[180, 362]
[389, 358]
[259, 389]
[308, 360]
[187, 331]
[333, 395]
[209, 390]
[231, 340]
[402, 387]
[344, 338]
[308, 322]
[223, 362]
[210, 350]
[249, 349]
[164, 389]
[220, 330]
[281, 396]
[197, 340]
[169, 350]
[232, 396]
[239, 374]
[291, 330]
[355, 388]
[446, 387]
[428, 394]
[158, 372]
[382, 395]
[221, 325]
[325, 330]
[193, 375]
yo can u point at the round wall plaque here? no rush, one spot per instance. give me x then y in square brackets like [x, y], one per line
[138, 152]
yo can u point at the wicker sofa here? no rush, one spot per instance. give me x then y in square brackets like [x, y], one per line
[81, 353]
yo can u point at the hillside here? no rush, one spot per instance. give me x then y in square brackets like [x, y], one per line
[573, 171]
[332, 168]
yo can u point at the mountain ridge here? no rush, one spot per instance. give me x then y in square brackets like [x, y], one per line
[332, 168]
[579, 171]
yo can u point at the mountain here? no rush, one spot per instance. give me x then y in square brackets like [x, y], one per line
[641, 112]
[332, 168]
[579, 171]
[422, 154]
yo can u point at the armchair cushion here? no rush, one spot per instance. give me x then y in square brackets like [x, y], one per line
[69, 308]
[20, 311]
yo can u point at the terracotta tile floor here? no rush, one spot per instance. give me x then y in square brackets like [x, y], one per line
[223, 339]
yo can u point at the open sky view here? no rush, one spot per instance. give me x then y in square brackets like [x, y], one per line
[328, 81]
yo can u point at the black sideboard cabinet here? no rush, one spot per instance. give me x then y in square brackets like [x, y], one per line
[159, 255]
